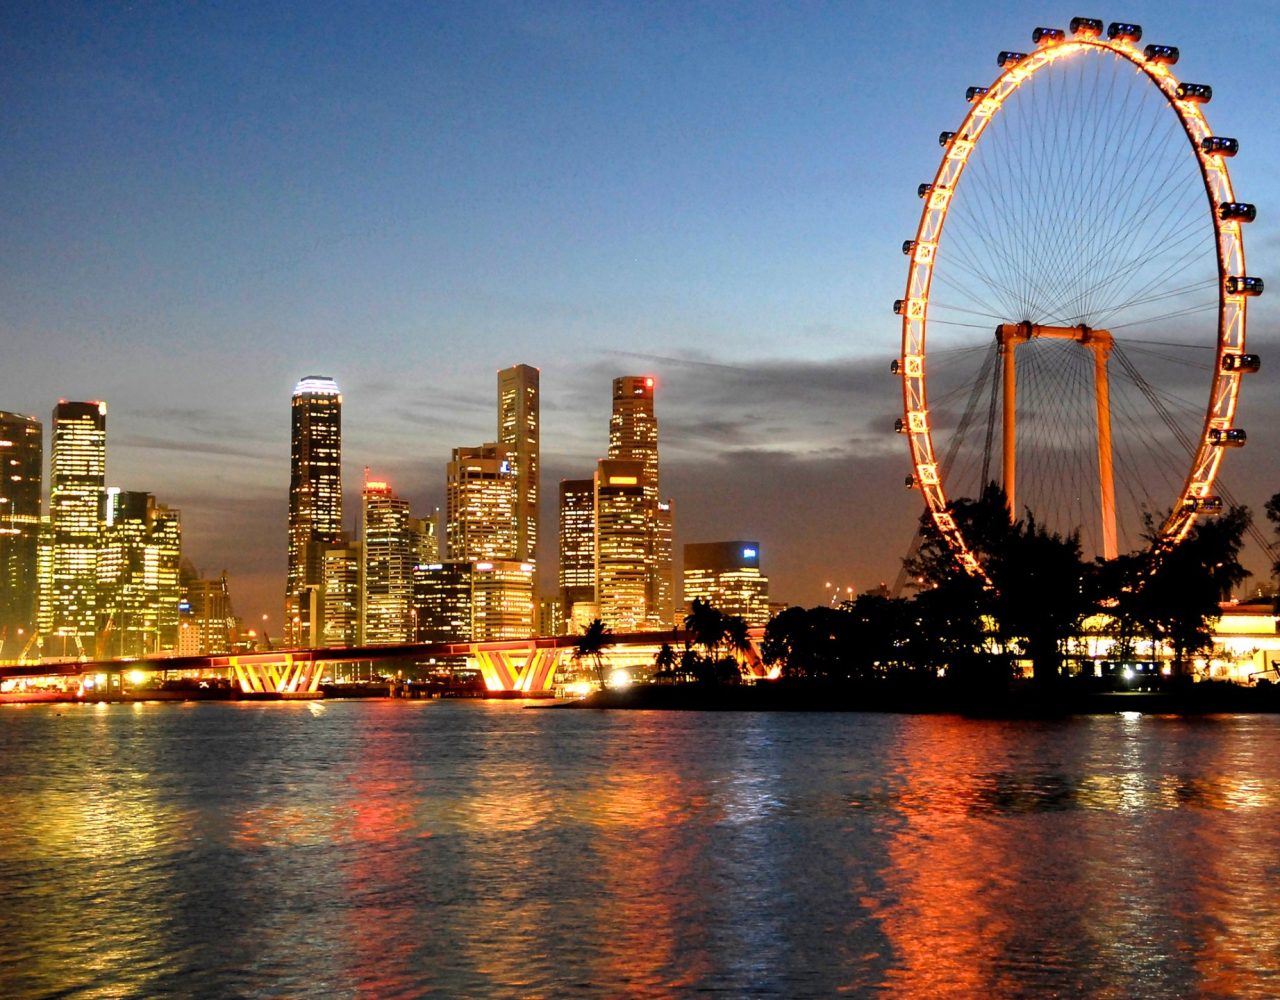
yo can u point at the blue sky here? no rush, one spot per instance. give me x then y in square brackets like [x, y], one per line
[203, 203]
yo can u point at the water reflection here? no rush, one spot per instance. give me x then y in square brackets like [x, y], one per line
[397, 848]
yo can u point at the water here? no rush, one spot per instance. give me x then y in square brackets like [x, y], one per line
[398, 849]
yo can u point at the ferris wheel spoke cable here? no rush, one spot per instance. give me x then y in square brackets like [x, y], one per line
[1163, 240]
[1176, 292]
[965, 265]
[1189, 311]
[1158, 243]
[1120, 149]
[1004, 279]
[1173, 359]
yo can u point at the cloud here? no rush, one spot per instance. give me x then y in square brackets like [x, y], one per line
[189, 446]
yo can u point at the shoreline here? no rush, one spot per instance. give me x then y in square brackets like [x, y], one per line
[1027, 702]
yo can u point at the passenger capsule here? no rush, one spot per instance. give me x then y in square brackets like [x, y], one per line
[1205, 505]
[971, 94]
[1243, 363]
[945, 137]
[1244, 285]
[1047, 36]
[1230, 437]
[900, 426]
[1010, 58]
[1165, 55]
[1119, 32]
[908, 246]
[923, 190]
[895, 366]
[1237, 211]
[1219, 145]
[898, 305]
[1196, 93]
[1086, 27]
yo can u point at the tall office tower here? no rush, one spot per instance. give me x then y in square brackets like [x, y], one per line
[518, 436]
[44, 575]
[21, 464]
[209, 614]
[442, 601]
[577, 554]
[315, 502]
[660, 584]
[727, 576]
[343, 564]
[550, 618]
[480, 495]
[78, 470]
[425, 534]
[633, 428]
[502, 605]
[633, 436]
[138, 584]
[388, 566]
[622, 539]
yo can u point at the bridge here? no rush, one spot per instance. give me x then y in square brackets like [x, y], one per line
[514, 666]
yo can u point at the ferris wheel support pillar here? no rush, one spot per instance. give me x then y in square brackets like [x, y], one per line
[1099, 341]
[1009, 336]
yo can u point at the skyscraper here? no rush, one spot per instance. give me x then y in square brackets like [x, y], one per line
[342, 589]
[442, 601]
[727, 576]
[577, 553]
[633, 427]
[388, 565]
[78, 469]
[209, 614]
[21, 464]
[480, 494]
[138, 579]
[502, 604]
[315, 501]
[633, 436]
[622, 537]
[518, 437]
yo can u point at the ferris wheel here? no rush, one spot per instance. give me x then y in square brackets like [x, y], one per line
[1077, 227]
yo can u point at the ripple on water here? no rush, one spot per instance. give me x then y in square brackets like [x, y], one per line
[394, 849]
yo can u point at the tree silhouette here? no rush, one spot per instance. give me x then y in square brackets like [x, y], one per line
[706, 624]
[805, 642]
[595, 639]
[1273, 515]
[1038, 595]
[1180, 597]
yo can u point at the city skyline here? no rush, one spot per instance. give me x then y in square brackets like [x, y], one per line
[720, 212]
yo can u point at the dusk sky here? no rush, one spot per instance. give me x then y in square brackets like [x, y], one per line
[203, 203]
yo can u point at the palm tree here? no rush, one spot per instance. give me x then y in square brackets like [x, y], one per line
[707, 626]
[665, 661]
[737, 639]
[595, 639]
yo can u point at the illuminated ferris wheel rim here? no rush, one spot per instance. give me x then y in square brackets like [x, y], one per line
[1234, 287]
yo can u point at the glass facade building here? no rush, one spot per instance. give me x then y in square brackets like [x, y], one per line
[727, 576]
[577, 551]
[480, 494]
[518, 416]
[21, 478]
[633, 437]
[78, 471]
[315, 501]
[389, 558]
[622, 539]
